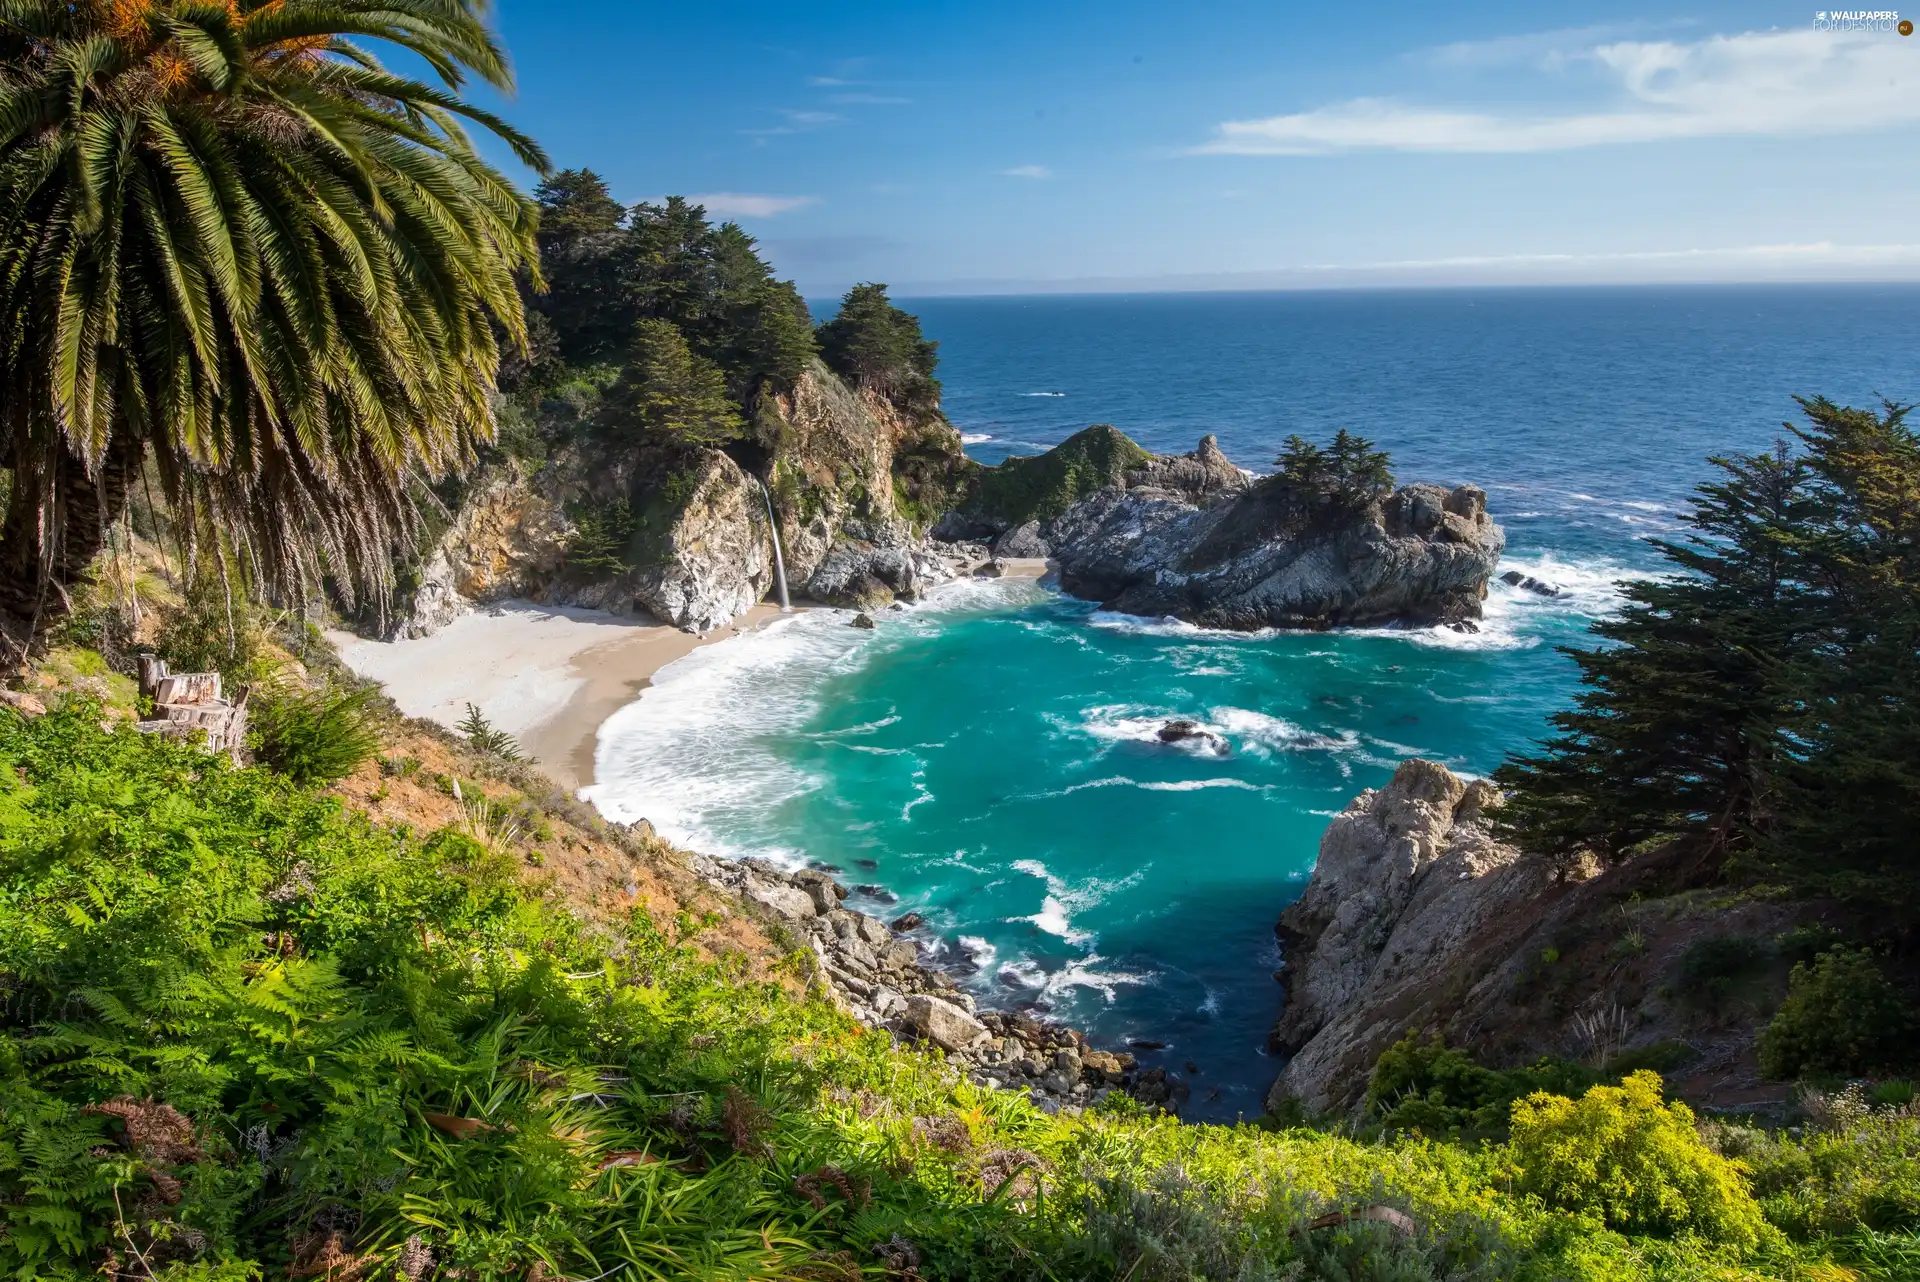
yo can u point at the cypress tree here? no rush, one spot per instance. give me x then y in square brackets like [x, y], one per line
[1674, 735]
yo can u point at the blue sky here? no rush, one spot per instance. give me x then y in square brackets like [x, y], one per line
[992, 146]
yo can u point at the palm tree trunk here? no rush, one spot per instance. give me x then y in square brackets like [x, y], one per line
[39, 562]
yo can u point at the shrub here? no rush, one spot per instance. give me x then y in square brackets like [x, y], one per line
[1426, 1086]
[483, 737]
[1841, 1018]
[1858, 1170]
[314, 736]
[212, 629]
[1712, 969]
[1626, 1157]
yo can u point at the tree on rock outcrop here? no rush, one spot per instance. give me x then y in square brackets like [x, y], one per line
[1350, 472]
[873, 344]
[669, 395]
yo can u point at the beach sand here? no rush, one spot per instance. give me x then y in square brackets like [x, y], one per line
[547, 675]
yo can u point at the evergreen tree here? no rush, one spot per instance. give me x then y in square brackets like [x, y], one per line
[669, 394]
[1361, 474]
[1304, 469]
[575, 203]
[875, 345]
[1675, 735]
[1850, 796]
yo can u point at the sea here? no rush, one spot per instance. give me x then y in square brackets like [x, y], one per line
[988, 758]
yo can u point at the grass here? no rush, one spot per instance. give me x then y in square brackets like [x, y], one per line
[248, 1033]
[1045, 485]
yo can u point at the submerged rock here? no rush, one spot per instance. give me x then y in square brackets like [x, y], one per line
[1191, 734]
[1526, 582]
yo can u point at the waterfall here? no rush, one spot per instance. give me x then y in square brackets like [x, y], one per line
[779, 557]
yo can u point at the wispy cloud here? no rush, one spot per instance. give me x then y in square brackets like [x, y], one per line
[747, 205]
[1028, 171]
[1772, 83]
[867, 100]
[1548, 50]
[797, 122]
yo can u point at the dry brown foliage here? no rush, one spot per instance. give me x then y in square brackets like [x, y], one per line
[325, 1255]
[746, 1123]
[812, 1186]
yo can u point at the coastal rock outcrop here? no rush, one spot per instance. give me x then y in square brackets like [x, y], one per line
[684, 535]
[1409, 879]
[881, 975]
[1194, 537]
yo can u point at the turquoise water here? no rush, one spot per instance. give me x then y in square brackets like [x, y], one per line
[988, 758]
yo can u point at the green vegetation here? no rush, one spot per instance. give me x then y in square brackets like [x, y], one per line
[482, 736]
[1841, 1019]
[873, 344]
[313, 735]
[1041, 487]
[249, 1034]
[669, 394]
[1432, 1089]
[281, 278]
[1625, 1155]
[603, 537]
[1348, 473]
[1755, 713]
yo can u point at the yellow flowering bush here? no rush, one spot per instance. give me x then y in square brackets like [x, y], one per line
[1626, 1156]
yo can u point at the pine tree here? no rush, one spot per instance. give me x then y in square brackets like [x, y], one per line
[876, 345]
[1851, 782]
[1361, 474]
[1304, 469]
[1675, 736]
[669, 394]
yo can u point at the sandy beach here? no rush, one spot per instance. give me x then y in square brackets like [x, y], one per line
[547, 675]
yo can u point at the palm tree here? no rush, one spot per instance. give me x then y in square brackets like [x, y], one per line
[233, 243]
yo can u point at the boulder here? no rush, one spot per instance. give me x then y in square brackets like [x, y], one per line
[908, 921]
[991, 570]
[862, 621]
[1191, 734]
[943, 1023]
[1022, 542]
[1526, 582]
[824, 890]
[783, 900]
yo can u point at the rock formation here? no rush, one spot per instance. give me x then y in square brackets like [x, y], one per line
[875, 972]
[852, 482]
[1194, 537]
[1409, 880]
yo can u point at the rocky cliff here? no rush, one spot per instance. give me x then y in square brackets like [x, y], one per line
[685, 536]
[1408, 877]
[1194, 537]
[1418, 919]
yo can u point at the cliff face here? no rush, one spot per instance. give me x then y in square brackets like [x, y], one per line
[1194, 537]
[1417, 919]
[1408, 880]
[686, 537]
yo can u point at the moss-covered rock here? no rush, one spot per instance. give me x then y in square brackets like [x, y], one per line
[1041, 487]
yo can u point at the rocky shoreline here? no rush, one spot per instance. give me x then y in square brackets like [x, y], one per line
[883, 975]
